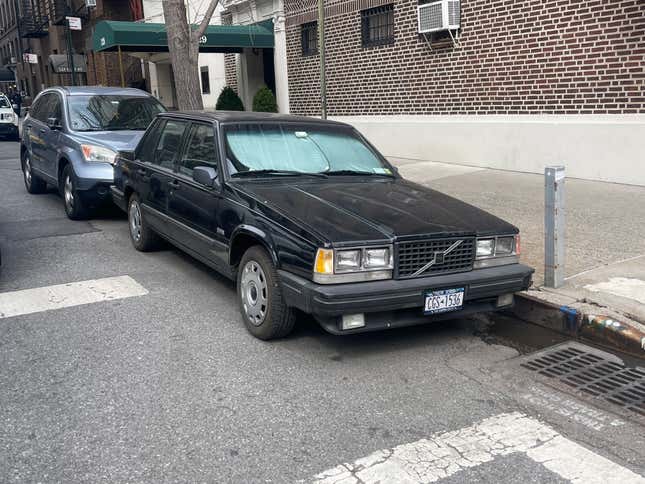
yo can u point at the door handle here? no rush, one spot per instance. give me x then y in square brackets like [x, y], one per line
[43, 130]
[174, 184]
[141, 172]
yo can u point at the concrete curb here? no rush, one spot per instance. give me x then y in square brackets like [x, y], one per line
[581, 320]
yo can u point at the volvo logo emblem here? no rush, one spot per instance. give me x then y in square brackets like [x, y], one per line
[439, 258]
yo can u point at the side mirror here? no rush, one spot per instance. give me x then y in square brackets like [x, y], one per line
[127, 155]
[54, 123]
[205, 175]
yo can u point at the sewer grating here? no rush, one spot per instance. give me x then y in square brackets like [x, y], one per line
[594, 372]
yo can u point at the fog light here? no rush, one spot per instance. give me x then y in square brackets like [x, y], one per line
[504, 300]
[352, 321]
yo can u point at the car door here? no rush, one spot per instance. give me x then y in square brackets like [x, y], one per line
[34, 129]
[192, 205]
[158, 172]
[51, 137]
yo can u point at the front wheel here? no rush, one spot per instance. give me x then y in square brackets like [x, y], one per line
[75, 208]
[264, 311]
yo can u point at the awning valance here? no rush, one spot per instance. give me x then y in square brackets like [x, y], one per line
[109, 35]
[60, 63]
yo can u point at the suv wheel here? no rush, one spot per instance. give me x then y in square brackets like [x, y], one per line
[265, 314]
[33, 184]
[142, 236]
[74, 206]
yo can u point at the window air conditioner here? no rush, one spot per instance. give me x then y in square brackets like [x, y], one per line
[439, 15]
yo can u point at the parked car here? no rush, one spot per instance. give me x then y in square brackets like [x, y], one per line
[8, 119]
[306, 214]
[71, 136]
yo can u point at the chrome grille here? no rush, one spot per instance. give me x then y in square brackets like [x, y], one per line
[411, 257]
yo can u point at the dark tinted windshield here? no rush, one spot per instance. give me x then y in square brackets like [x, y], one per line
[4, 102]
[303, 149]
[111, 113]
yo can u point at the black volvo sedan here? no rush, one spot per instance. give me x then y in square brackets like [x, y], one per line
[306, 215]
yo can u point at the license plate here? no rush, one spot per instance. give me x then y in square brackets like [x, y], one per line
[443, 301]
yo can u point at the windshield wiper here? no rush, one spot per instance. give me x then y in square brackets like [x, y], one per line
[277, 172]
[356, 173]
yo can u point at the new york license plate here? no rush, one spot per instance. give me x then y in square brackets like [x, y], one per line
[443, 300]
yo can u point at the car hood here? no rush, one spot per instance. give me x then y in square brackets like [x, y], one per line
[115, 140]
[344, 210]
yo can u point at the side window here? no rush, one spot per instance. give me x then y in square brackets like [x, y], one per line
[169, 143]
[35, 107]
[201, 149]
[55, 108]
[43, 107]
[146, 148]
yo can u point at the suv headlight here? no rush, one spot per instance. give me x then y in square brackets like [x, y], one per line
[335, 266]
[497, 251]
[98, 154]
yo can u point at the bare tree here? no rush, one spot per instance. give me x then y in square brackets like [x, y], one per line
[183, 44]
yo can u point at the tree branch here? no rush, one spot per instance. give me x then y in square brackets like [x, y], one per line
[207, 18]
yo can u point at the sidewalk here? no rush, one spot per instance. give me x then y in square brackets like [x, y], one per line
[605, 239]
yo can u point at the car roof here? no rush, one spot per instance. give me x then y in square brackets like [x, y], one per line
[105, 90]
[246, 116]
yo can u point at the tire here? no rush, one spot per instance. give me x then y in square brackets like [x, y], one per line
[143, 238]
[33, 184]
[75, 208]
[259, 294]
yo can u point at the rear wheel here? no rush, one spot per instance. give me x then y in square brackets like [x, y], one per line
[264, 311]
[33, 184]
[142, 236]
[75, 208]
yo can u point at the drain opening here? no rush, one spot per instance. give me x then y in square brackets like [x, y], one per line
[591, 372]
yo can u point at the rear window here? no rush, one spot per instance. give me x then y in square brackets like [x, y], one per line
[4, 102]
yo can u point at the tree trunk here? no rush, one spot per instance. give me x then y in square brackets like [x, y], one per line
[183, 44]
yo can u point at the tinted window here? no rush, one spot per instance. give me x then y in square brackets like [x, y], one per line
[169, 143]
[200, 149]
[4, 102]
[146, 149]
[55, 107]
[112, 113]
[38, 110]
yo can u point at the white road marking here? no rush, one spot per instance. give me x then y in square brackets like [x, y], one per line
[445, 454]
[621, 286]
[46, 298]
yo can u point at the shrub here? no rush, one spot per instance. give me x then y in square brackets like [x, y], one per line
[228, 100]
[264, 101]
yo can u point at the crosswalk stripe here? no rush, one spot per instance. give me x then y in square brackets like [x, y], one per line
[445, 454]
[59, 296]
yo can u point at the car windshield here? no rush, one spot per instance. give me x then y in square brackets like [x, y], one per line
[4, 102]
[112, 113]
[275, 149]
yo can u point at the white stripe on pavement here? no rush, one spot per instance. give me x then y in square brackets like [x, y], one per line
[29, 301]
[445, 454]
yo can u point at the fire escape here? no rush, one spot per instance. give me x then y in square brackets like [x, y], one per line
[34, 21]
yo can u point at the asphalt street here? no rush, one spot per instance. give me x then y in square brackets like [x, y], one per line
[155, 379]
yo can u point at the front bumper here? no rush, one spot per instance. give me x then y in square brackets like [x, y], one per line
[8, 129]
[395, 303]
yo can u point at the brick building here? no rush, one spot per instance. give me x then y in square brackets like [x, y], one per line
[490, 93]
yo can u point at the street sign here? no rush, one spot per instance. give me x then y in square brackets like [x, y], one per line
[74, 23]
[30, 58]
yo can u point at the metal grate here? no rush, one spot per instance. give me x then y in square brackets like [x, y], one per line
[593, 373]
[411, 257]
[454, 12]
[431, 17]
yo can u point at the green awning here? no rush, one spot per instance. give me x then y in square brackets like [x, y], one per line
[148, 37]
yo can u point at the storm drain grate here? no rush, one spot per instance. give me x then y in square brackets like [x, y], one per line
[593, 372]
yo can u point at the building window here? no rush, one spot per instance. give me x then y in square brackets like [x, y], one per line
[377, 26]
[206, 82]
[309, 36]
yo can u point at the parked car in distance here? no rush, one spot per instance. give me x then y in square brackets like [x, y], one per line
[305, 214]
[8, 119]
[71, 136]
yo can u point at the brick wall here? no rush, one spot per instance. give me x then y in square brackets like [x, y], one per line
[515, 57]
[230, 70]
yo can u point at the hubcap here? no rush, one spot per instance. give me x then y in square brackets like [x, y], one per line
[135, 221]
[69, 192]
[28, 171]
[254, 292]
